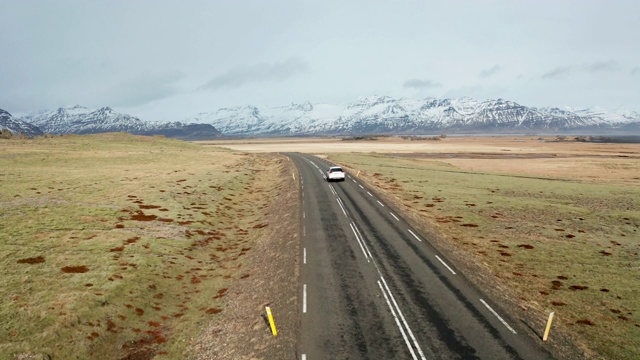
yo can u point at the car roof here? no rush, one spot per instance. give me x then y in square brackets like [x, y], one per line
[335, 167]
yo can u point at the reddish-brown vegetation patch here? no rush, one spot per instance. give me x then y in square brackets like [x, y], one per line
[578, 287]
[141, 216]
[556, 284]
[141, 206]
[75, 269]
[213, 310]
[558, 303]
[526, 246]
[115, 249]
[469, 225]
[585, 322]
[33, 260]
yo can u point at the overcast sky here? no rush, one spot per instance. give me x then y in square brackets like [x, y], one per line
[168, 60]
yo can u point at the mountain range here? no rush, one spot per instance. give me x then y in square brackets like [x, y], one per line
[366, 115]
[81, 120]
[386, 115]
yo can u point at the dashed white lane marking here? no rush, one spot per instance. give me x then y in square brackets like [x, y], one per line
[304, 255]
[445, 264]
[304, 230]
[354, 181]
[304, 214]
[498, 316]
[303, 357]
[370, 194]
[304, 298]
[414, 235]
[361, 186]
[381, 204]
[394, 216]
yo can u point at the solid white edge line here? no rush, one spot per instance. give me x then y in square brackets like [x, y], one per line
[445, 264]
[304, 298]
[394, 216]
[498, 316]
[414, 235]
[304, 255]
[393, 300]
[359, 243]
[393, 313]
[381, 204]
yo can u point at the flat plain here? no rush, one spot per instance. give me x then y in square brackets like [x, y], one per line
[143, 247]
[543, 225]
[125, 247]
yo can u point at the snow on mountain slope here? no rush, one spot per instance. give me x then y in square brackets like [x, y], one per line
[386, 115]
[17, 126]
[81, 120]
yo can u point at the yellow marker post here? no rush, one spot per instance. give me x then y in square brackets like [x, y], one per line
[271, 322]
[294, 176]
[358, 174]
[546, 331]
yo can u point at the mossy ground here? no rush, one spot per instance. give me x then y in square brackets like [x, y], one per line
[115, 245]
[559, 244]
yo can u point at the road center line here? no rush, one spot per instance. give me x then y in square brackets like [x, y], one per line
[414, 235]
[341, 207]
[361, 186]
[393, 300]
[304, 298]
[498, 316]
[381, 204]
[359, 242]
[445, 264]
[370, 194]
[395, 317]
[304, 255]
[394, 216]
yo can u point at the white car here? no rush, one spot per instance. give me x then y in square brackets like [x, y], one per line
[335, 173]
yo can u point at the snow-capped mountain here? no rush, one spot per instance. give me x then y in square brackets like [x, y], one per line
[81, 120]
[17, 126]
[386, 115]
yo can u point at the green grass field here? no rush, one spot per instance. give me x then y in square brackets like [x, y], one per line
[557, 244]
[116, 246]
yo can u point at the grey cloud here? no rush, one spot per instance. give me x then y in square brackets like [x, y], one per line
[635, 70]
[421, 84]
[492, 71]
[556, 73]
[246, 74]
[600, 66]
[143, 89]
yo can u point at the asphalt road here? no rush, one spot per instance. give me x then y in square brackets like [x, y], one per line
[373, 288]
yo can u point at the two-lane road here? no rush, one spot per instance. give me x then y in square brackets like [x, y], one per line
[373, 288]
